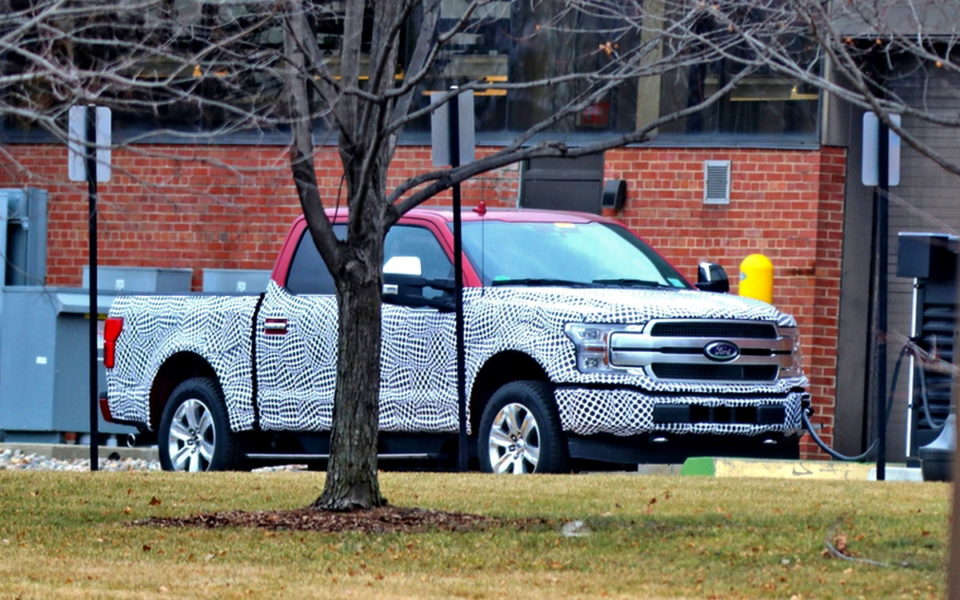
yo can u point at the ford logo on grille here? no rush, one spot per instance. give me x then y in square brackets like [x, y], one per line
[721, 351]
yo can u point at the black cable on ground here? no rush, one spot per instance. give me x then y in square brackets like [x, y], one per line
[932, 423]
[805, 416]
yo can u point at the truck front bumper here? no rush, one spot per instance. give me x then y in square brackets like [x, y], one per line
[629, 412]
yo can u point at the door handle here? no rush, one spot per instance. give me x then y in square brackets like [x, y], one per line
[275, 326]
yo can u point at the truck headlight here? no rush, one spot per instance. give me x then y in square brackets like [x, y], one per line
[796, 367]
[592, 344]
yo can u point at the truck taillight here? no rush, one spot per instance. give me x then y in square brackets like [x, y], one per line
[105, 408]
[111, 331]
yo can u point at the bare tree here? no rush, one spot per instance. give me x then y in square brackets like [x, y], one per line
[357, 70]
[869, 53]
[368, 109]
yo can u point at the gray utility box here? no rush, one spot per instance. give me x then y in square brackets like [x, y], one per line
[24, 235]
[137, 280]
[44, 389]
[235, 281]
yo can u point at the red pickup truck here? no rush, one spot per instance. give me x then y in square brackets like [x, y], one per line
[581, 343]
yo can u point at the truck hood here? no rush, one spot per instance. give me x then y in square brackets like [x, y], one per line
[618, 305]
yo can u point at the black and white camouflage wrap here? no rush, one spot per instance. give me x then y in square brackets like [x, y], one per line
[155, 328]
[296, 371]
[629, 412]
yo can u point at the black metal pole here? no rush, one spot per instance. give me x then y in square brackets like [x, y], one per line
[882, 217]
[91, 162]
[463, 450]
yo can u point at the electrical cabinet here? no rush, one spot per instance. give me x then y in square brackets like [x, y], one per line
[44, 341]
[235, 281]
[930, 259]
[139, 280]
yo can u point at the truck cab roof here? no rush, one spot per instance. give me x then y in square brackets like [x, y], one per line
[468, 214]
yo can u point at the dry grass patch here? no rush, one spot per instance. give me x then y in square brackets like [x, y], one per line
[68, 535]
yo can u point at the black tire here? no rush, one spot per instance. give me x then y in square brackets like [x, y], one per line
[520, 431]
[195, 432]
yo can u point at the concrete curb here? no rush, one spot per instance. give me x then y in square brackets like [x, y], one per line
[794, 469]
[78, 451]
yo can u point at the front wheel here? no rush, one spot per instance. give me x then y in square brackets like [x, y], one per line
[520, 431]
[194, 431]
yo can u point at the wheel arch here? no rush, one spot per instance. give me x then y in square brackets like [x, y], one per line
[500, 369]
[175, 370]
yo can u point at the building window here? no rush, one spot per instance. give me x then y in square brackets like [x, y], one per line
[763, 104]
[515, 42]
[227, 92]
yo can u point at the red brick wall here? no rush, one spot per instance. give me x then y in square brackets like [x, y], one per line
[229, 207]
[787, 205]
[176, 206]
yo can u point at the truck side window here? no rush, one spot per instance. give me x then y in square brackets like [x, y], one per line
[308, 273]
[406, 240]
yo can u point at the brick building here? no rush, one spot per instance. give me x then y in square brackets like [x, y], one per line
[226, 203]
[173, 206]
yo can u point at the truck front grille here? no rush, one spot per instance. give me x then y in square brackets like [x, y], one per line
[716, 372]
[719, 329]
[767, 414]
[720, 350]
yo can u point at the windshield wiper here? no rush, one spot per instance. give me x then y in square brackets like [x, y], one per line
[540, 281]
[626, 282]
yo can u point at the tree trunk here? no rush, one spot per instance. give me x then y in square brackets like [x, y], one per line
[352, 482]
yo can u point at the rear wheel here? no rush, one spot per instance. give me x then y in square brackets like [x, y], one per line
[195, 432]
[520, 431]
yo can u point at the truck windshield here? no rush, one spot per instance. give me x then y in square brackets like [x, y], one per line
[563, 253]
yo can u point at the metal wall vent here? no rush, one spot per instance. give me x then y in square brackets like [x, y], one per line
[716, 182]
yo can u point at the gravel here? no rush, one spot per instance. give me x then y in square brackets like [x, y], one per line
[12, 459]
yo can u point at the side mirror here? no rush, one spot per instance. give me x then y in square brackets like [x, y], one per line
[403, 265]
[712, 278]
[403, 285]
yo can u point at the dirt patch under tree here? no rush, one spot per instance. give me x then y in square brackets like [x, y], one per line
[386, 519]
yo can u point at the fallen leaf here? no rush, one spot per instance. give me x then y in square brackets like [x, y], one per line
[154, 501]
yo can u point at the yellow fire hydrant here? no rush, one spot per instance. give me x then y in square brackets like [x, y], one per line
[756, 278]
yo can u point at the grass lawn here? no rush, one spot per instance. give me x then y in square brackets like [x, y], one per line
[68, 535]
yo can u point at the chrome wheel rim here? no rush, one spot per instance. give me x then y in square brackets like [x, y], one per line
[514, 440]
[192, 437]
